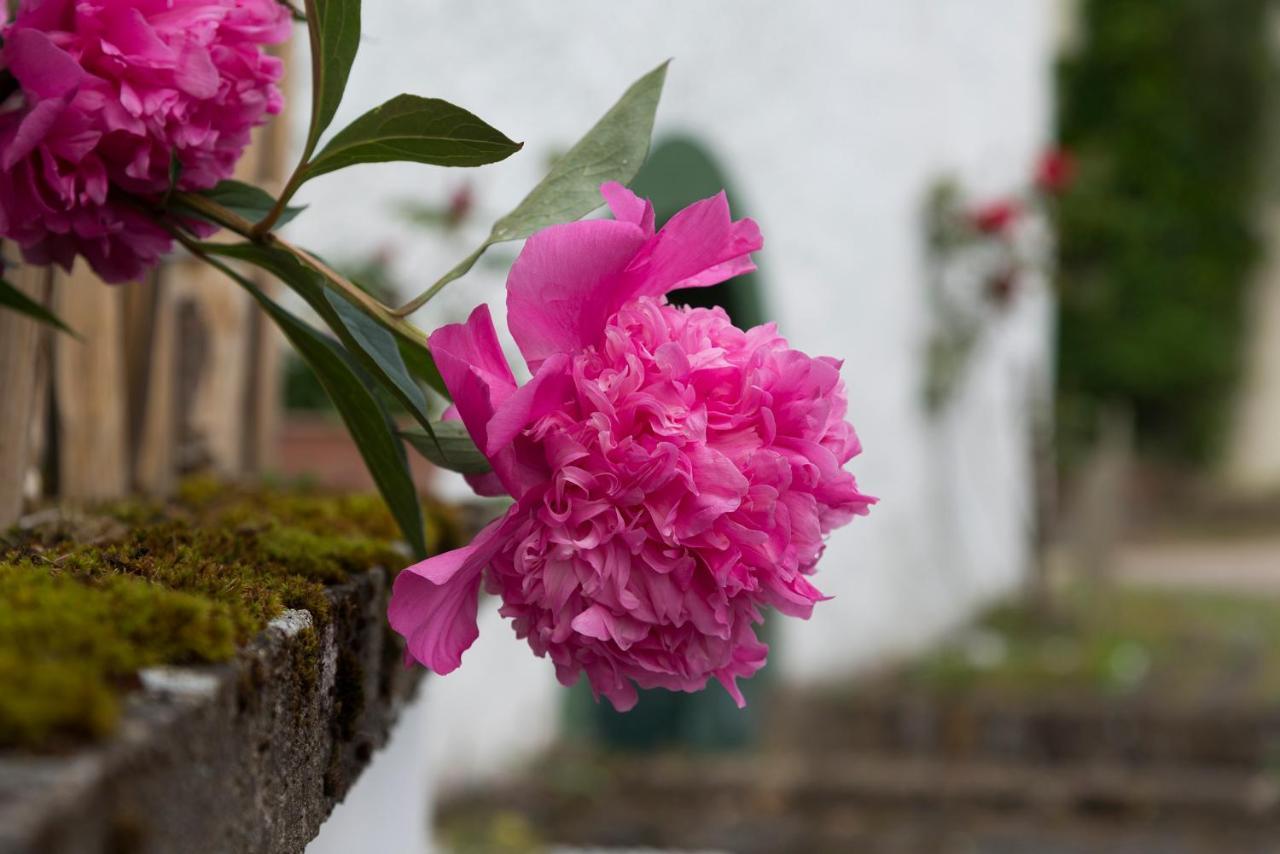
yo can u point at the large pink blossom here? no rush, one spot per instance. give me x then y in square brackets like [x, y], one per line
[114, 97]
[673, 475]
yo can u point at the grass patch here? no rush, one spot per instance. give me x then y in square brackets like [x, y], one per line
[1183, 647]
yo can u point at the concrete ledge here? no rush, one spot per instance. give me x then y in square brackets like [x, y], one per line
[249, 756]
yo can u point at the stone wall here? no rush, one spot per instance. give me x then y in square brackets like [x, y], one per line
[246, 757]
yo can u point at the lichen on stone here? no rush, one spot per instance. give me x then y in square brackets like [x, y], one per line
[87, 600]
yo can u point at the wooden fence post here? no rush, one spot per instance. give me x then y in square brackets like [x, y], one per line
[21, 370]
[89, 388]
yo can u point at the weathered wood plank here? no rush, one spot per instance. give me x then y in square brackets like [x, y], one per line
[89, 388]
[21, 376]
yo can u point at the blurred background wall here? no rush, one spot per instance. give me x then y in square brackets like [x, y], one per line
[833, 122]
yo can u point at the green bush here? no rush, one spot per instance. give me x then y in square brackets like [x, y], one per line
[1163, 106]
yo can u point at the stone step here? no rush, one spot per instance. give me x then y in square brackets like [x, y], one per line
[843, 801]
[1052, 731]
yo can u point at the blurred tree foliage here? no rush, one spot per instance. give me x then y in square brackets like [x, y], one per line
[1163, 105]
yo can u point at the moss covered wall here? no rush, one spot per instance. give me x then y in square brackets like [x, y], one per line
[88, 600]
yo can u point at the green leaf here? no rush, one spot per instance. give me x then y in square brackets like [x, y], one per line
[248, 201]
[450, 449]
[613, 150]
[421, 130]
[419, 362]
[372, 344]
[376, 341]
[12, 298]
[365, 416]
[334, 27]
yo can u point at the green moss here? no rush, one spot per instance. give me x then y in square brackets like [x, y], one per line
[86, 602]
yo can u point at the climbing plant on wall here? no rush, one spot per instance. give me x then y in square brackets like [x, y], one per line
[1163, 105]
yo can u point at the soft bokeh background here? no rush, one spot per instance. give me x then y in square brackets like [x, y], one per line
[1069, 399]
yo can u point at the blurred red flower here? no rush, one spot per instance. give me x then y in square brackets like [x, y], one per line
[1056, 171]
[995, 217]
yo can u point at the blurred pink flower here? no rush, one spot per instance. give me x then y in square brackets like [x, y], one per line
[673, 475]
[1056, 171]
[111, 97]
[996, 217]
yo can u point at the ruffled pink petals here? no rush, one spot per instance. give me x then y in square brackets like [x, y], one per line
[674, 475]
[474, 369]
[32, 131]
[748, 657]
[561, 288]
[434, 603]
[699, 246]
[40, 66]
[626, 206]
[135, 86]
[547, 391]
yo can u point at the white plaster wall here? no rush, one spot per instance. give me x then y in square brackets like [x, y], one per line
[833, 119]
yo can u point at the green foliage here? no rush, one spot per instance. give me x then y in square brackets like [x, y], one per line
[1171, 647]
[450, 448]
[613, 150]
[334, 29]
[252, 203]
[370, 343]
[351, 391]
[1162, 106]
[87, 602]
[420, 130]
[15, 300]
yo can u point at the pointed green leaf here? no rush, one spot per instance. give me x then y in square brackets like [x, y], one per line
[421, 130]
[417, 359]
[613, 150]
[380, 345]
[12, 298]
[334, 27]
[365, 416]
[373, 345]
[248, 201]
[451, 448]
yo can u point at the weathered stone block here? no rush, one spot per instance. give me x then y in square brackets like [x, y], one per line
[248, 756]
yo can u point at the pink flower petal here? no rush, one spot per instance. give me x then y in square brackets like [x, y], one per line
[560, 291]
[433, 603]
[32, 131]
[699, 246]
[628, 207]
[474, 370]
[548, 390]
[43, 68]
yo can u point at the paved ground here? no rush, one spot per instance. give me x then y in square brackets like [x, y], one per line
[1237, 564]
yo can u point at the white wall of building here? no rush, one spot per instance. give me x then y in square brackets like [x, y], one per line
[833, 118]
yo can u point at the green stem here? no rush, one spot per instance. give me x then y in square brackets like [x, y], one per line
[269, 221]
[457, 272]
[232, 221]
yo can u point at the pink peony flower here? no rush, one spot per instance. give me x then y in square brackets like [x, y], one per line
[673, 475]
[105, 96]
